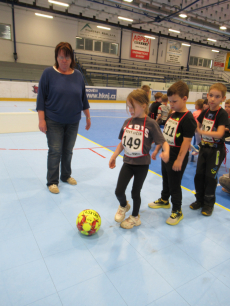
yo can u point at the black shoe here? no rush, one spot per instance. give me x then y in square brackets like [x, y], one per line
[207, 210]
[195, 205]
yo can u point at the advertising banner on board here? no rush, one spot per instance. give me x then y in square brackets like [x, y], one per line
[174, 52]
[90, 30]
[227, 63]
[219, 61]
[93, 93]
[33, 90]
[140, 46]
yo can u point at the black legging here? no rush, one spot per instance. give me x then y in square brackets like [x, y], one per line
[208, 164]
[127, 172]
[172, 182]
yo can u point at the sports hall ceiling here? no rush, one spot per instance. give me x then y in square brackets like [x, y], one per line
[204, 17]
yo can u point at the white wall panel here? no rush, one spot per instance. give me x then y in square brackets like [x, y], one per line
[202, 52]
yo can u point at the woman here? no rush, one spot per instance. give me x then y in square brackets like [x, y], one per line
[61, 98]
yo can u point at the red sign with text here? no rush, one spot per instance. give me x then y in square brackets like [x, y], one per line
[140, 46]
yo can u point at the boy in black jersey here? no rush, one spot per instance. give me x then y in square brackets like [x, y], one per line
[178, 132]
[211, 126]
[154, 106]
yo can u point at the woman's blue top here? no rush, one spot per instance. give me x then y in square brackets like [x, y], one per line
[62, 96]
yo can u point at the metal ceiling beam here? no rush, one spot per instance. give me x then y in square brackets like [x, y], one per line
[185, 22]
[213, 4]
[116, 25]
[177, 12]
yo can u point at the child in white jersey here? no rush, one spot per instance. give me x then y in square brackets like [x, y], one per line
[137, 135]
[163, 111]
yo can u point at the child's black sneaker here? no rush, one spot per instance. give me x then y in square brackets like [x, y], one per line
[195, 205]
[207, 210]
[159, 204]
[175, 218]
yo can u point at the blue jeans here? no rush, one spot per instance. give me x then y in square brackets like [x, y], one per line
[61, 140]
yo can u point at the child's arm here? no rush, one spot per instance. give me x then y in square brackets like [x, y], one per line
[112, 162]
[158, 116]
[155, 152]
[183, 151]
[215, 134]
[158, 113]
[165, 154]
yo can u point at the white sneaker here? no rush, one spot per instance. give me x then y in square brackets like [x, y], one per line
[120, 214]
[130, 222]
[53, 188]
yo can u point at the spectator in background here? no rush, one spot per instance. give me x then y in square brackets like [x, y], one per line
[147, 89]
[199, 107]
[163, 111]
[196, 114]
[205, 104]
[154, 106]
[227, 107]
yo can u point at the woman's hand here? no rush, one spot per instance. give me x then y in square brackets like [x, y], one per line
[88, 124]
[42, 126]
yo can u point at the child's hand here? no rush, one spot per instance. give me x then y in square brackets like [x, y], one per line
[154, 155]
[199, 130]
[164, 156]
[112, 162]
[177, 165]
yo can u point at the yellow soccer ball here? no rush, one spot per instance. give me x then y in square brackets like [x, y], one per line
[88, 222]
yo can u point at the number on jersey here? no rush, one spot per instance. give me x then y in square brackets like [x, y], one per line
[135, 144]
[167, 132]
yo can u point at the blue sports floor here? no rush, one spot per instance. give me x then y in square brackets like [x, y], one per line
[45, 261]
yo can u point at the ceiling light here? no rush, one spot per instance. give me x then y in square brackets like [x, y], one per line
[103, 28]
[128, 0]
[78, 37]
[215, 51]
[183, 15]
[151, 37]
[171, 30]
[58, 3]
[127, 19]
[210, 39]
[42, 15]
[187, 45]
[223, 28]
